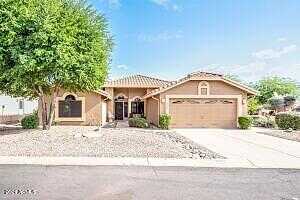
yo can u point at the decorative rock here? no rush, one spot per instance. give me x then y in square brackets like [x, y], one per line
[94, 134]
[78, 135]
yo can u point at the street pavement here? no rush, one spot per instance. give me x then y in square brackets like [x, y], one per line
[32, 182]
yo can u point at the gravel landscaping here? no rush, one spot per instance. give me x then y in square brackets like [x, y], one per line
[110, 142]
[289, 135]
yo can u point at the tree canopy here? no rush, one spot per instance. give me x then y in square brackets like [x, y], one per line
[272, 86]
[46, 44]
[50, 45]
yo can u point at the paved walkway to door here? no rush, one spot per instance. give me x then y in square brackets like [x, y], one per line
[260, 150]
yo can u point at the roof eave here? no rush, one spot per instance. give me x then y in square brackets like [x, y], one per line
[131, 86]
[103, 93]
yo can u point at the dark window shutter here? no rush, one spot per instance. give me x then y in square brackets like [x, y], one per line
[21, 104]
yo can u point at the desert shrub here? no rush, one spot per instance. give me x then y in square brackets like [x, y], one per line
[164, 121]
[288, 121]
[30, 121]
[131, 122]
[138, 122]
[262, 121]
[245, 122]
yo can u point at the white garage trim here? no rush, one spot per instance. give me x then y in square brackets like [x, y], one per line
[237, 97]
[103, 113]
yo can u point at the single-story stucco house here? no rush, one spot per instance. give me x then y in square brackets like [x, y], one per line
[199, 99]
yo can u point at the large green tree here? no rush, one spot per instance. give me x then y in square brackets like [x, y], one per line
[48, 45]
[270, 86]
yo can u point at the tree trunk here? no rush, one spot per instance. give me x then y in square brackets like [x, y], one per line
[52, 108]
[44, 112]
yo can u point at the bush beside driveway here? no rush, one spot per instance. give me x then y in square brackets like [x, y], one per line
[110, 142]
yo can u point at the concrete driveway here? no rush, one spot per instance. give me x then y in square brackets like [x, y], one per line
[258, 149]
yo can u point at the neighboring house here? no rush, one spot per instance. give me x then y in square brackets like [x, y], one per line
[16, 106]
[296, 107]
[198, 100]
[12, 110]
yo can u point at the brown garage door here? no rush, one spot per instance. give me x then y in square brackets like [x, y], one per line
[204, 113]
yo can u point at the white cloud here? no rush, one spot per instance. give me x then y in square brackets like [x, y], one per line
[123, 67]
[163, 36]
[113, 4]
[255, 70]
[235, 68]
[274, 53]
[247, 72]
[282, 39]
[262, 64]
[167, 4]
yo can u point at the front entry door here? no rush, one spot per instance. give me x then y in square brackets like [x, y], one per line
[125, 109]
[119, 110]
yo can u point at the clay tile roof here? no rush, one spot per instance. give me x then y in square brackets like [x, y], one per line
[104, 93]
[137, 81]
[204, 74]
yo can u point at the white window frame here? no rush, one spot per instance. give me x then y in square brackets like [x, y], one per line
[120, 95]
[203, 87]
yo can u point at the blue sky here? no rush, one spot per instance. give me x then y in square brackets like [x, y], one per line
[170, 38]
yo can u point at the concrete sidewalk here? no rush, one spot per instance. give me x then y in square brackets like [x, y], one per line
[261, 150]
[125, 161]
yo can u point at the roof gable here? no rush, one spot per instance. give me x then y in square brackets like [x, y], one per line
[202, 76]
[137, 81]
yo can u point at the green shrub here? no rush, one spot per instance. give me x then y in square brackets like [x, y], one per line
[131, 122]
[253, 105]
[288, 121]
[30, 121]
[245, 122]
[138, 122]
[262, 121]
[164, 121]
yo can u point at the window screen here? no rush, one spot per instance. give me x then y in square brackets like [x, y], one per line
[70, 108]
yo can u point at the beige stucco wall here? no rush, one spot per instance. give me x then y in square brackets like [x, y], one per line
[216, 88]
[152, 111]
[130, 92]
[140, 92]
[93, 102]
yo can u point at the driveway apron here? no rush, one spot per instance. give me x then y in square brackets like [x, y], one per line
[260, 150]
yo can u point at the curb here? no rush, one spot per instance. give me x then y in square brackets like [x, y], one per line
[124, 161]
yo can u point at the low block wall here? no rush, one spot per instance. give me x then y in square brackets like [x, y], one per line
[10, 119]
